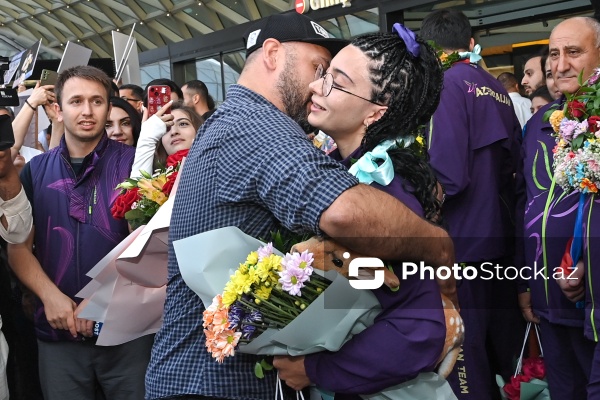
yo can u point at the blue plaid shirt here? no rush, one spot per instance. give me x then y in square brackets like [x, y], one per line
[251, 166]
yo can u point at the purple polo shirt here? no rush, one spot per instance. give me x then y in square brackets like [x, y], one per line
[405, 339]
[74, 228]
[473, 147]
[536, 242]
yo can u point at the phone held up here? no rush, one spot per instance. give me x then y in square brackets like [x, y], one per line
[158, 96]
[48, 77]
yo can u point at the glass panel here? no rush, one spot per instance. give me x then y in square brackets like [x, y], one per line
[161, 69]
[209, 72]
[233, 64]
[351, 25]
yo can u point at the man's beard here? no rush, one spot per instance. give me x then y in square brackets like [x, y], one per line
[291, 92]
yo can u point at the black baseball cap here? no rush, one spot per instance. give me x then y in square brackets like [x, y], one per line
[291, 27]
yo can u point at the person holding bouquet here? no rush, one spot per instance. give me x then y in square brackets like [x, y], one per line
[546, 217]
[374, 100]
[252, 167]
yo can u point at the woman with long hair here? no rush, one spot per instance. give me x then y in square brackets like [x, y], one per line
[164, 134]
[124, 122]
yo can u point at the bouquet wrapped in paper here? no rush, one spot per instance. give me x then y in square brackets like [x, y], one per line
[275, 304]
[529, 379]
[141, 197]
[128, 287]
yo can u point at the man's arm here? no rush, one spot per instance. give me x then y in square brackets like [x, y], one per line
[59, 308]
[372, 222]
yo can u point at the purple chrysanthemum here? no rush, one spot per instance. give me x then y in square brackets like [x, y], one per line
[265, 251]
[292, 280]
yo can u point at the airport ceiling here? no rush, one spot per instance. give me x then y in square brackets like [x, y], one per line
[89, 23]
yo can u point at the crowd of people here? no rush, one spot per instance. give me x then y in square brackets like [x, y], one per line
[461, 175]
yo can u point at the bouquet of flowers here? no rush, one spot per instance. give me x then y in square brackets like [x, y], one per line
[528, 381]
[140, 198]
[577, 130]
[529, 384]
[276, 304]
[266, 291]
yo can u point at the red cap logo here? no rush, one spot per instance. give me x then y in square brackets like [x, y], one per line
[301, 6]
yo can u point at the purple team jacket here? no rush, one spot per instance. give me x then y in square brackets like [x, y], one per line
[537, 243]
[405, 339]
[473, 147]
[74, 228]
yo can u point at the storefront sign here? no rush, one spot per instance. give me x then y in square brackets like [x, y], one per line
[303, 6]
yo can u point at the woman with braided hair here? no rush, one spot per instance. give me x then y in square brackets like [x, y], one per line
[376, 95]
[374, 101]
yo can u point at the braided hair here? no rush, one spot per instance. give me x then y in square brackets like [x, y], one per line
[410, 87]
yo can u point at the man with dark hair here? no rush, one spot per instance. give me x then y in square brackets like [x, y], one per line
[522, 105]
[195, 95]
[71, 189]
[533, 74]
[473, 147]
[232, 178]
[133, 94]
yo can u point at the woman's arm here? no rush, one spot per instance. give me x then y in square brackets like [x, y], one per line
[152, 131]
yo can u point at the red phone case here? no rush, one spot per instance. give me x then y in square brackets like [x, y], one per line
[158, 96]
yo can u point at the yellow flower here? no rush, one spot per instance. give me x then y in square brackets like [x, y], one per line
[555, 119]
[157, 196]
[443, 57]
[263, 292]
[420, 140]
[252, 258]
[241, 282]
[243, 268]
[230, 294]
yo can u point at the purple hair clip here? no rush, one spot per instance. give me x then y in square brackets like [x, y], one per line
[409, 38]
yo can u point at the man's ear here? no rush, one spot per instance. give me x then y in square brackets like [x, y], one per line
[271, 49]
[471, 44]
[196, 98]
[58, 111]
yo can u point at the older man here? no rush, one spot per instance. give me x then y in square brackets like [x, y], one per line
[547, 216]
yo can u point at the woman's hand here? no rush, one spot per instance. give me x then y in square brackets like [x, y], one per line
[42, 95]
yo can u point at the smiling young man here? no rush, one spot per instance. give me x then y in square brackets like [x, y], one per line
[71, 190]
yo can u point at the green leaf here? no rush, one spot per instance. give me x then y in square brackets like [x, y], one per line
[145, 174]
[549, 112]
[134, 214]
[580, 78]
[577, 142]
[265, 365]
[258, 371]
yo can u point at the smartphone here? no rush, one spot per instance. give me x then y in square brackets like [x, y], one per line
[48, 77]
[158, 96]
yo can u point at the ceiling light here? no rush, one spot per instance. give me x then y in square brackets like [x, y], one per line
[168, 14]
